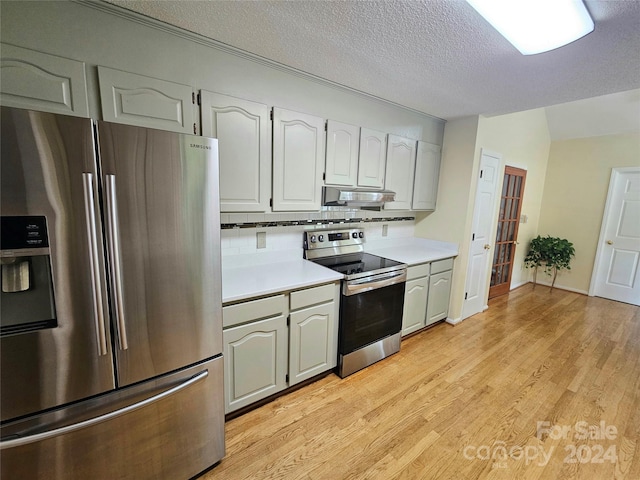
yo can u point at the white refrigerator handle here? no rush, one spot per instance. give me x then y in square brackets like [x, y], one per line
[37, 437]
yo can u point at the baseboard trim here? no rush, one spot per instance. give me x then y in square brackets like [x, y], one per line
[562, 287]
[453, 321]
[518, 285]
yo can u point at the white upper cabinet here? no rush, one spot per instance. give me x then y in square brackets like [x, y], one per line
[298, 160]
[39, 81]
[401, 160]
[371, 164]
[341, 166]
[146, 102]
[244, 146]
[425, 186]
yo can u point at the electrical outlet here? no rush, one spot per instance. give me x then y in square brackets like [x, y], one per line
[385, 230]
[261, 239]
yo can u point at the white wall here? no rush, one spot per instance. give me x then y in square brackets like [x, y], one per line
[575, 193]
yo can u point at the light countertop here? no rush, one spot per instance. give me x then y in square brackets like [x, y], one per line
[246, 279]
[254, 275]
[411, 250]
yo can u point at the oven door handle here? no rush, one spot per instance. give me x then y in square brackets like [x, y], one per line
[355, 287]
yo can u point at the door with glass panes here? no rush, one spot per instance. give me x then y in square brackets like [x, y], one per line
[507, 232]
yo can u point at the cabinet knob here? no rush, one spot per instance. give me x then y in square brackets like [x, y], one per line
[609, 242]
[487, 246]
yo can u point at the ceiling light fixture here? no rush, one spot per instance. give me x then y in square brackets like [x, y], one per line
[536, 26]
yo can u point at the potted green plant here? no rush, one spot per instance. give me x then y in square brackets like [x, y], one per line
[551, 253]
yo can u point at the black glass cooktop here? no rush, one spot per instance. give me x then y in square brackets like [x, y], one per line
[354, 263]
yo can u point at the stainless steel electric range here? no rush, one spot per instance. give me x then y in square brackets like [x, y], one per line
[372, 296]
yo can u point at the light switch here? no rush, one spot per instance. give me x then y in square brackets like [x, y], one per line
[385, 230]
[261, 239]
[523, 218]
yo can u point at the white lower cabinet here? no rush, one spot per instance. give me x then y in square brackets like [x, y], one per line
[439, 291]
[255, 350]
[255, 359]
[426, 298]
[313, 333]
[266, 349]
[415, 298]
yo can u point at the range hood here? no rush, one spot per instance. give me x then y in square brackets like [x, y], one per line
[355, 197]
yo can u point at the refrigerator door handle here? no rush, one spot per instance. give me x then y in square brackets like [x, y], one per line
[37, 437]
[113, 236]
[94, 262]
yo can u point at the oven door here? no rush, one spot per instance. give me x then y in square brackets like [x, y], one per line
[370, 309]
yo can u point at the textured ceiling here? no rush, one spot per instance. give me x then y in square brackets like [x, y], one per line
[437, 56]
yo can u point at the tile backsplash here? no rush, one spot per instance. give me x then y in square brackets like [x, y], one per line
[283, 231]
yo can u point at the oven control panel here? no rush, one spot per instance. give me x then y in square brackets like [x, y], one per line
[333, 238]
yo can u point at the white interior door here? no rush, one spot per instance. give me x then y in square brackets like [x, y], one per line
[616, 272]
[476, 291]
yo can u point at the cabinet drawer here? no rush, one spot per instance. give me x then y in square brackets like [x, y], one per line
[441, 265]
[417, 271]
[253, 310]
[312, 296]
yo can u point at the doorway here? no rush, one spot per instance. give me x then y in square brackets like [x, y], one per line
[616, 273]
[507, 231]
[482, 233]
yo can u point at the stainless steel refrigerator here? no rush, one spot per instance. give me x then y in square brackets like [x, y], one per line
[111, 318]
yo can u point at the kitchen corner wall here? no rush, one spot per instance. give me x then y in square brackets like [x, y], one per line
[523, 141]
[451, 221]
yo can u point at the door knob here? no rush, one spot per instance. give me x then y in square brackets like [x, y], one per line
[609, 242]
[487, 246]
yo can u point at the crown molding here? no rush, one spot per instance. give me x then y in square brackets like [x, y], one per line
[118, 11]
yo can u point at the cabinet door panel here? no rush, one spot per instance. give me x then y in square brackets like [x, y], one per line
[298, 160]
[39, 81]
[425, 186]
[341, 167]
[244, 148]
[144, 101]
[312, 346]
[255, 361]
[439, 289]
[415, 305]
[372, 156]
[401, 160]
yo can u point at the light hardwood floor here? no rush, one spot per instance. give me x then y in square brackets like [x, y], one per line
[456, 395]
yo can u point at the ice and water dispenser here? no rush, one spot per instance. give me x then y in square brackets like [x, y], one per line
[26, 298]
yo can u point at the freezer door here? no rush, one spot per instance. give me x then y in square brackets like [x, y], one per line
[54, 348]
[163, 238]
[169, 428]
